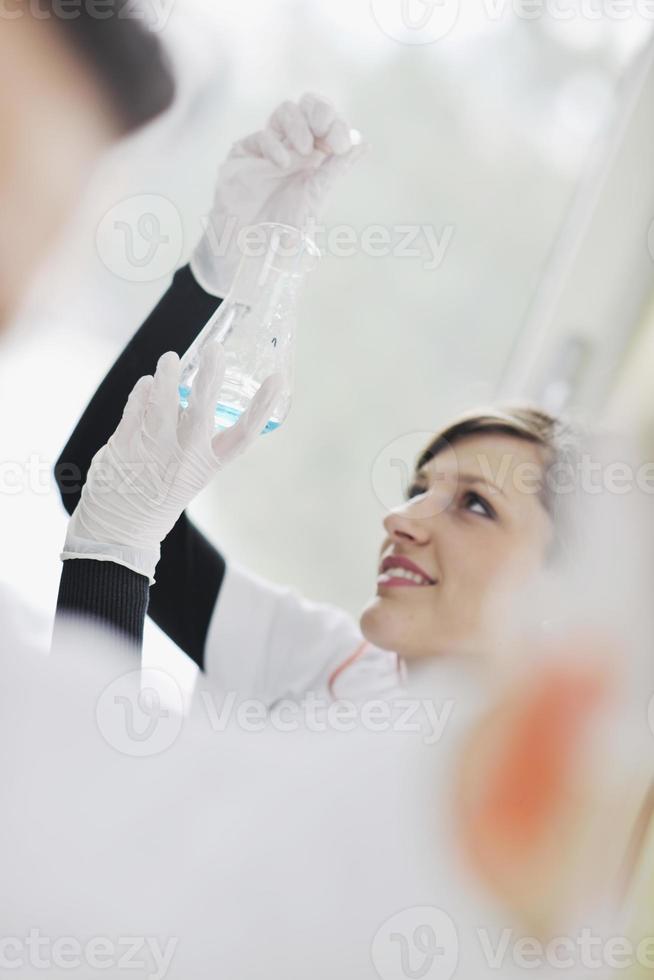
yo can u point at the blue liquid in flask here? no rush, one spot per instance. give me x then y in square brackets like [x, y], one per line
[226, 415]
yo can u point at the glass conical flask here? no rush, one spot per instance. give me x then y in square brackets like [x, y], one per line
[256, 322]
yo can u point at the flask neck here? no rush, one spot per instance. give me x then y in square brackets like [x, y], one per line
[276, 259]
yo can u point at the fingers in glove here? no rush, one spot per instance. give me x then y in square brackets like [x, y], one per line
[334, 167]
[271, 147]
[132, 418]
[232, 442]
[319, 113]
[198, 421]
[290, 124]
[162, 409]
[137, 401]
[338, 138]
[249, 146]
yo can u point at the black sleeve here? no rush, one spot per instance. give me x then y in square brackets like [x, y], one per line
[104, 594]
[190, 572]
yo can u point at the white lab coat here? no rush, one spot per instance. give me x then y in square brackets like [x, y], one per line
[268, 642]
[260, 858]
[22, 627]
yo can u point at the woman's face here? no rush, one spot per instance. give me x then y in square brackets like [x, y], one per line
[473, 530]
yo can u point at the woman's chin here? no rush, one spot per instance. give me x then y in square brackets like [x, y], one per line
[371, 624]
[383, 625]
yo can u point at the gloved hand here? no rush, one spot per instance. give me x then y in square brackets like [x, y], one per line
[158, 459]
[282, 173]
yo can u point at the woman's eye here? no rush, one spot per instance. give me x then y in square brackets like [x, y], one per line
[476, 504]
[415, 490]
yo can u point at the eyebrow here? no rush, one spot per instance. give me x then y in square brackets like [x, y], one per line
[471, 479]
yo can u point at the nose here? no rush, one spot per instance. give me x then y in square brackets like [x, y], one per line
[409, 522]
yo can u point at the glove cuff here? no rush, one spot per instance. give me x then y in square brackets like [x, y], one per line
[138, 560]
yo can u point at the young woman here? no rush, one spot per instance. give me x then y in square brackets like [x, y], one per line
[477, 520]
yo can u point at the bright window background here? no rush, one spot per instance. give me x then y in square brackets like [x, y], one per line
[483, 135]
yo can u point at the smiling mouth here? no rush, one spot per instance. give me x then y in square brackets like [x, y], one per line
[394, 577]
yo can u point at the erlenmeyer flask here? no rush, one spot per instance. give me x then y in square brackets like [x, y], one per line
[256, 322]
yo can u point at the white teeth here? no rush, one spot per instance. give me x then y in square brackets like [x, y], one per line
[400, 572]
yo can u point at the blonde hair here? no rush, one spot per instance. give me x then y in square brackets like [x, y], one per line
[557, 439]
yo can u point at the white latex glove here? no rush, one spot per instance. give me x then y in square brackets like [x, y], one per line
[282, 173]
[158, 459]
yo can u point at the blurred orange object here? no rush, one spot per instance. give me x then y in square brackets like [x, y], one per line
[538, 814]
